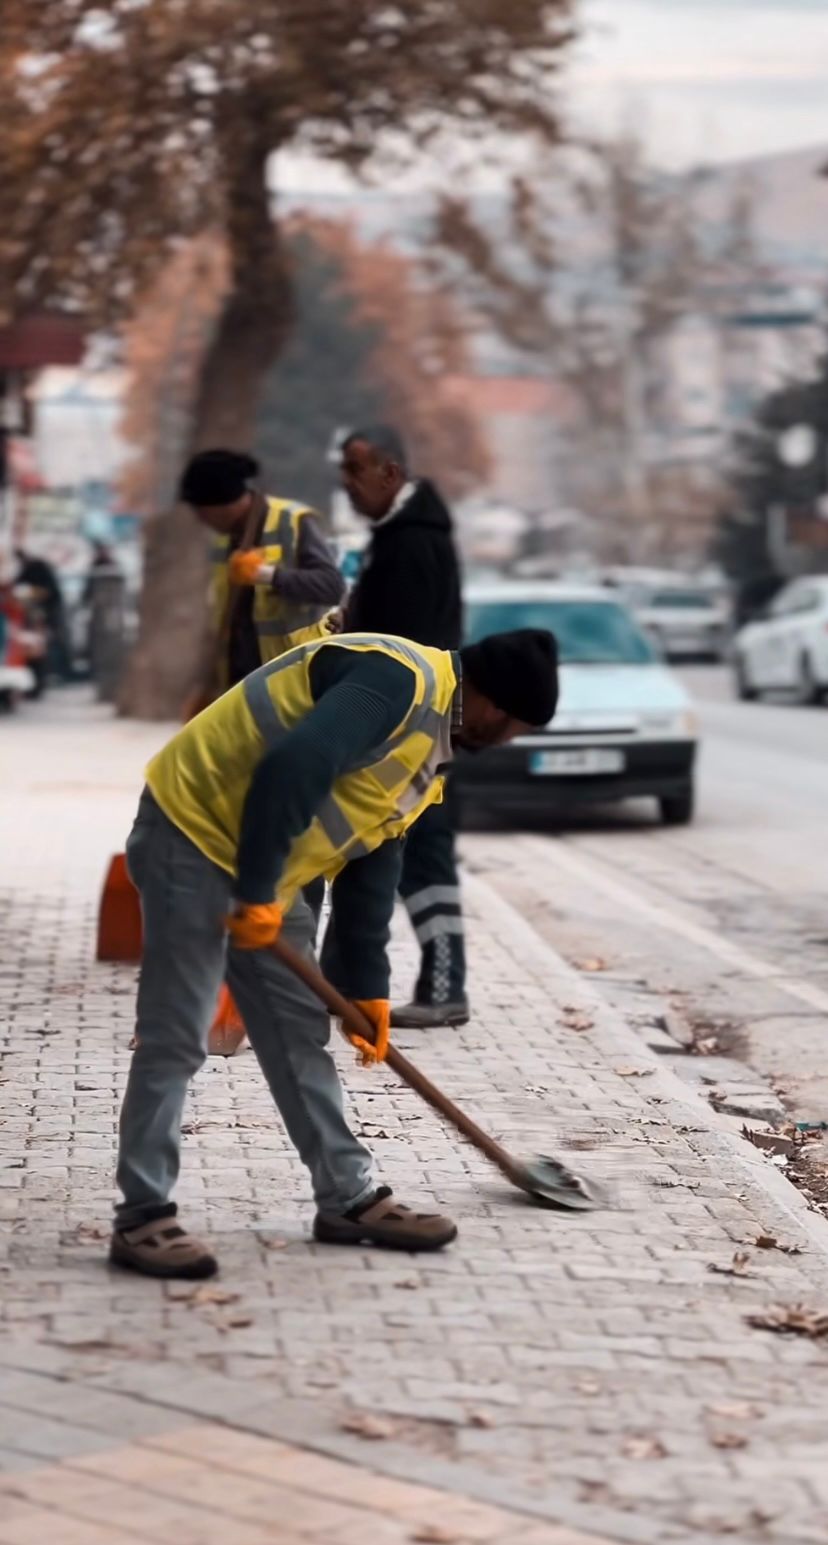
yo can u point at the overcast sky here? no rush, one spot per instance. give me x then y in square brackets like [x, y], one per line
[701, 80]
[705, 79]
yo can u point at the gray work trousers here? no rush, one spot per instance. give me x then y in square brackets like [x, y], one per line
[184, 901]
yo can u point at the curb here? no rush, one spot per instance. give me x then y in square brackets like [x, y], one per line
[540, 957]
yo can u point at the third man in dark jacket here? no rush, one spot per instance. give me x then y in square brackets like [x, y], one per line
[409, 585]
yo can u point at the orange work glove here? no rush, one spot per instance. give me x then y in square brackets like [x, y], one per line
[378, 1011]
[255, 927]
[247, 568]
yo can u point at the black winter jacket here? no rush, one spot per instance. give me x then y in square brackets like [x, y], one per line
[409, 583]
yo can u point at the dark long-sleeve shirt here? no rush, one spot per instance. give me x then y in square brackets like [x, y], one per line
[409, 583]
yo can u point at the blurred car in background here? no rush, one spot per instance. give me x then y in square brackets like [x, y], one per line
[686, 621]
[787, 648]
[624, 727]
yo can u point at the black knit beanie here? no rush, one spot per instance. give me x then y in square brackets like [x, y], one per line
[518, 672]
[216, 477]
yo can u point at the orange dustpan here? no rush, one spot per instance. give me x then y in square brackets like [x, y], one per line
[120, 938]
[119, 916]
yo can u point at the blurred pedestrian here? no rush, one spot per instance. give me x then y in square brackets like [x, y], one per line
[40, 579]
[409, 585]
[274, 577]
[102, 562]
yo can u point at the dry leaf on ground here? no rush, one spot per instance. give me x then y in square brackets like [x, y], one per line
[729, 1440]
[238, 1321]
[739, 1266]
[643, 1448]
[587, 1387]
[210, 1295]
[790, 1319]
[575, 1020]
[735, 1410]
[770, 1242]
[94, 1344]
[633, 1072]
[591, 963]
[274, 1244]
[366, 1425]
[90, 1233]
[480, 1419]
[409, 1282]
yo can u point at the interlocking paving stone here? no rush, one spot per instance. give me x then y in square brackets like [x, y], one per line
[543, 1359]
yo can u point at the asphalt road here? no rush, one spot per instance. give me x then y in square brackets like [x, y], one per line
[723, 925]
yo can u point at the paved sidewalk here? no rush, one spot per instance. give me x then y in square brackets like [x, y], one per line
[589, 1372]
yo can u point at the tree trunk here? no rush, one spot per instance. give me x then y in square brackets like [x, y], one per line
[173, 634]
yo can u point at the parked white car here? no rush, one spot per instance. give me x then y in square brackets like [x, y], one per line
[624, 727]
[787, 649]
[687, 621]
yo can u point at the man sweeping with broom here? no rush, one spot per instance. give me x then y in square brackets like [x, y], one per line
[313, 766]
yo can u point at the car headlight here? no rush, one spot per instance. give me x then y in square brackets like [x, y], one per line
[684, 725]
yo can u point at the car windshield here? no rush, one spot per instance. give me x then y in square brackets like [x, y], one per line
[686, 600]
[588, 632]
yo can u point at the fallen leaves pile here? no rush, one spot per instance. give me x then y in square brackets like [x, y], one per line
[790, 1320]
[206, 1297]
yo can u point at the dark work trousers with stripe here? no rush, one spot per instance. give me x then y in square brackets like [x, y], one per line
[430, 888]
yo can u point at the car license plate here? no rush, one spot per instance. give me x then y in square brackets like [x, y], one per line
[576, 761]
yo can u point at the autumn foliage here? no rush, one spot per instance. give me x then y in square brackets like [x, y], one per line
[369, 340]
[130, 127]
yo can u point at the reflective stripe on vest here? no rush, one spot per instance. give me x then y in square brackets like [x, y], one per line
[201, 778]
[273, 617]
[275, 620]
[423, 719]
[388, 770]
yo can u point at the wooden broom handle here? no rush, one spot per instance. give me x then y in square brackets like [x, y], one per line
[358, 1024]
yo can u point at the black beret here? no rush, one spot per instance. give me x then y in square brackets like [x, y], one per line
[216, 477]
[518, 672]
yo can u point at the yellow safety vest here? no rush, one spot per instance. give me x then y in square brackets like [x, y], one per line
[202, 776]
[280, 625]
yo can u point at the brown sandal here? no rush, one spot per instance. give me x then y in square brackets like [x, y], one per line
[383, 1221]
[161, 1248]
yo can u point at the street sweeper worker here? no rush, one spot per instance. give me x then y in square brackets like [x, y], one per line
[273, 575]
[316, 764]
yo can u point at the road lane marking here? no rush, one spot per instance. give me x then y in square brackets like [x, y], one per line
[590, 873]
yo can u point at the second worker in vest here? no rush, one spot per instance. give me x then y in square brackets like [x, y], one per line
[273, 575]
[313, 765]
